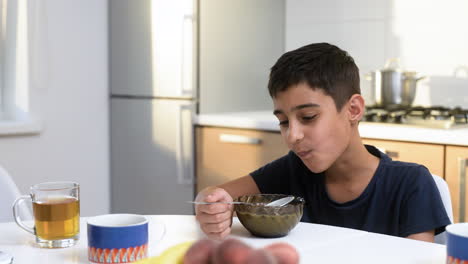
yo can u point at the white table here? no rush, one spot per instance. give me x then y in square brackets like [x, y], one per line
[315, 243]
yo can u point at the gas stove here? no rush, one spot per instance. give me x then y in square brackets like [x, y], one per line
[433, 116]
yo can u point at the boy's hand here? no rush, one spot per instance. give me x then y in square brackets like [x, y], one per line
[206, 251]
[215, 219]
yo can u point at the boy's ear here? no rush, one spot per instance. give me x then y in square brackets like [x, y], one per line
[356, 108]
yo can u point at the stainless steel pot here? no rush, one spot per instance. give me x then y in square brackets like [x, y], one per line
[393, 86]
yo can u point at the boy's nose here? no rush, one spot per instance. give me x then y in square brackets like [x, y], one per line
[295, 133]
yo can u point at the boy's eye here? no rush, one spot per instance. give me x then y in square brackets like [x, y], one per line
[308, 118]
[283, 123]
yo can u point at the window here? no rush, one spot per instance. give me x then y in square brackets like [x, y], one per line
[15, 115]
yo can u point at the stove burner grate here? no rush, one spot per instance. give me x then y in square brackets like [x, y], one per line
[435, 116]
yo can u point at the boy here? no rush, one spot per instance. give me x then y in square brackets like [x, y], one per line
[316, 96]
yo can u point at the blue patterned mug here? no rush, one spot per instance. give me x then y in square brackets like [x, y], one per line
[117, 238]
[457, 243]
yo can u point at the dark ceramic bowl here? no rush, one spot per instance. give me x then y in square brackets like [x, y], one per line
[268, 221]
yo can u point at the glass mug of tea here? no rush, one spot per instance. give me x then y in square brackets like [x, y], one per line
[56, 209]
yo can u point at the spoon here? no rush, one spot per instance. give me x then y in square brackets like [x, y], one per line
[280, 202]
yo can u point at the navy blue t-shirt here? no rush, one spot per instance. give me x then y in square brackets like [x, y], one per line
[401, 199]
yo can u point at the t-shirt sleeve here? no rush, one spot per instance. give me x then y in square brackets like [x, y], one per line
[272, 178]
[423, 209]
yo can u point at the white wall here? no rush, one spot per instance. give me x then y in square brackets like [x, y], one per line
[429, 36]
[237, 48]
[73, 105]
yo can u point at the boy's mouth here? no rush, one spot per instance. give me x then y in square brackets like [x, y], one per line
[303, 154]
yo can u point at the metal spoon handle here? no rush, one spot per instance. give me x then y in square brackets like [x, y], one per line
[195, 202]
[278, 203]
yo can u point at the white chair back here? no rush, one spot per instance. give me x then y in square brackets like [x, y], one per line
[8, 194]
[445, 195]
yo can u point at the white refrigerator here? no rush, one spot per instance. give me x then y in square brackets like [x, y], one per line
[153, 99]
[160, 53]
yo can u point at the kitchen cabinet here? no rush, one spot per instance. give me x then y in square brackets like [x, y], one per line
[224, 154]
[447, 161]
[429, 155]
[456, 160]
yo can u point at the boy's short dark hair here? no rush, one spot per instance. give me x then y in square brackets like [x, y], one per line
[319, 65]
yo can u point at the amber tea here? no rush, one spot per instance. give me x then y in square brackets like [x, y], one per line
[57, 218]
[56, 208]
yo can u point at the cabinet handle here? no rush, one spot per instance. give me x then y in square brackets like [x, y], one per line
[238, 139]
[188, 25]
[462, 163]
[391, 154]
[184, 151]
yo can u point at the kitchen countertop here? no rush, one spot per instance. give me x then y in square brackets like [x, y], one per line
[265, 120]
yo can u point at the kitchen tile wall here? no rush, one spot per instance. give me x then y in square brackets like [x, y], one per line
[430, 37]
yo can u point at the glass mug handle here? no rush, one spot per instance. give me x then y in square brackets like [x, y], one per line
[17, 216]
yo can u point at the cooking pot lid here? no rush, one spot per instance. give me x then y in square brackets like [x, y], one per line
[410, 73]
[392, 70]
[392, 64]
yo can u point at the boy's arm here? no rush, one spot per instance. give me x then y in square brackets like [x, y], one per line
[241, 186]
[427, 236]
[216, 219]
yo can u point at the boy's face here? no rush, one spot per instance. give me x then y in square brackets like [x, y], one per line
[311, 125]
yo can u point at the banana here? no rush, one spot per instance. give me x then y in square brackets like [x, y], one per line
[172, 255]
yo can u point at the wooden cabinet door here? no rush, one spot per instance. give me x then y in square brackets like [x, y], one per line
[429, 155]
[456, 177]
[224, 154]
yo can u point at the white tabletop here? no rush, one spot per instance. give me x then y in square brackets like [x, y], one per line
[315, 243]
